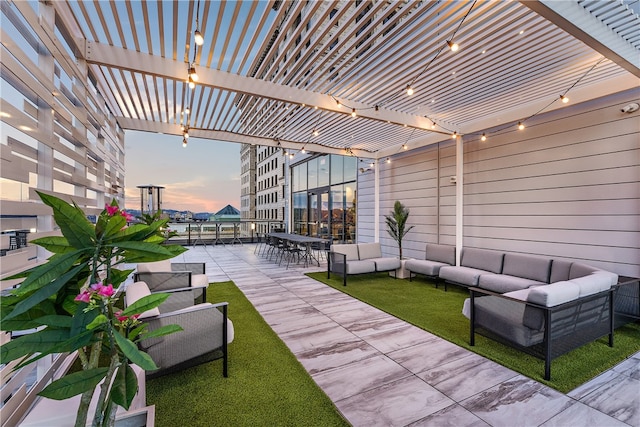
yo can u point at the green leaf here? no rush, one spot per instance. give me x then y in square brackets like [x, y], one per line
[118, 276]
[114, 224]
[46, 273]
[72, 221]
[145, 303]
[142, 251]
[135, 232]
[55, 244]
[133, 334]
[125, 386]
[44, 292]
[100, 319]
[73, 384]
[25, 320]
[132, 353]
[164, 330]
[40, 341]
[54, 320]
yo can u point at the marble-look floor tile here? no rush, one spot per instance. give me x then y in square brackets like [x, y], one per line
[464, 377]
[629, 367]
[316, 336]
[395, 339]
[451, 416]
[428, 355]
[619, 398]
[592, 385]
[286, 324]
[335, 355]
[582, 415]
[517, 402]
[393, 404]
[358, 377]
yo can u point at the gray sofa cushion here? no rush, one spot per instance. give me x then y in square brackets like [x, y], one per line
[351, 251]
[554, 294]
[359, 267]
[463, 275]
[504, 283]
[503, 317]
[440, 253]
[422, 266]
[527, 266]
[533, 316]
[386, 264]
[482, 259]
[579, 270]
[593, 283]
[559, 270]
[369, 250]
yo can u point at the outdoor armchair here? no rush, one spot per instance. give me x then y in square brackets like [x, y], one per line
[165, 275]
[205, 335]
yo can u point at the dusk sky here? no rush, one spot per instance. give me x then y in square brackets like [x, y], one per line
[205, 176]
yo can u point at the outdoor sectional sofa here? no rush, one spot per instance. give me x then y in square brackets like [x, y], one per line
[435, 257]
[349, 259]
[545, 307]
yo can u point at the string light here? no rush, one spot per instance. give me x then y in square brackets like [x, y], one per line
[372, 164]
[353, 112]
[377, 108]
[454, 135]
[316, 132]
[303, 151]
[192, 73]
[405, 147]
[198, 38]
[453, 46]
[184, 142]
[187, 111]
[564, 99]
[433, 125]
[520, 126]
[483, 137]
[192, 84]
[388, 160]
[338, 103]
[409, 90]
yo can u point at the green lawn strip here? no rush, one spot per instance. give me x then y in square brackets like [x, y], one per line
[266, 386]
[439, 312]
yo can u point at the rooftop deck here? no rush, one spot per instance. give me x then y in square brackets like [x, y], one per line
[379, 370]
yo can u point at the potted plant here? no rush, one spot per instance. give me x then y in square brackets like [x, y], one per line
[397, 224]
[73, 301]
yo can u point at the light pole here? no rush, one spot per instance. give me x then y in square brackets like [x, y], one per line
[253, 227]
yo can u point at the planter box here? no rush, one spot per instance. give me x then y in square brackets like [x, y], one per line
[401, 273]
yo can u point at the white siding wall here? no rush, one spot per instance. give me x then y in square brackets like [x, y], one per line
[567, 186]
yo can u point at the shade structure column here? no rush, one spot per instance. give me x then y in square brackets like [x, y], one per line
[459, 196]
[376, 208]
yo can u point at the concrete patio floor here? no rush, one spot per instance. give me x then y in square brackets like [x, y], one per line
[381, 371]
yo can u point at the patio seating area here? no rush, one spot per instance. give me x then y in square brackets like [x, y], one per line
[379, 370]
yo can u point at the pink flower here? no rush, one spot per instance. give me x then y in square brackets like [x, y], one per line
[85, 296]
[127, 216]
[120, 317]
[111, 210]
[106, 291]
[95, 286]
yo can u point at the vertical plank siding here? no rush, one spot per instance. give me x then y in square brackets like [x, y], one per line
[567, 186]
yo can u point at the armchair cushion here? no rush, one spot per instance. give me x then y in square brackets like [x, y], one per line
[155, 267]
[369, 250]
[554, 294]
[482, 259]
[138, 290]
[351, 251]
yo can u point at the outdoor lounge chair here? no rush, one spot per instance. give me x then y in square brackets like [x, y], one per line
[165, 275]
[205, 335]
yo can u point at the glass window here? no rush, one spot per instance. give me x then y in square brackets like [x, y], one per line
[312, 173]
[337, 165]
[323, 171]
[350, 168]
[300, 212]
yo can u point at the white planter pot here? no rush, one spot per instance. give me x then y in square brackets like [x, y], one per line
[401, 273]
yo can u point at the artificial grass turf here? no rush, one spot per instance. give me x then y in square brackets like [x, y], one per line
[419, 302]
[266, 386]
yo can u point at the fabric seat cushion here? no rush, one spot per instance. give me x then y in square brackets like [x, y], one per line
[554, 294]
[421, 266]
[369, 250]
[154, 267]
[386, 264]
[503, 317]
[502, 283]
[440, 253]
[527, 266]
[462, 275]
[359, 267]
[482, 259]
[138, 290]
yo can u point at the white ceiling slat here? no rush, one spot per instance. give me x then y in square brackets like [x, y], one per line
[257, 83]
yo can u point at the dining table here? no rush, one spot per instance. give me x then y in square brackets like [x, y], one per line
[302, 241]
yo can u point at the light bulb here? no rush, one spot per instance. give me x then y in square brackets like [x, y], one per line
[187, 110]
[520, 126]
[338, 103]
[405, 147]
[433, 125]
[184, 143]
[453, 46]
[483, 137]
[316, 132]
[303, 151]
[388, 160]
[377, 108]
[371, 164]
[353, 112]
[564, 99]
[454, 135]
[197, 36]
[409, 90]
[186, 134]
[192, 84]
[192, 74]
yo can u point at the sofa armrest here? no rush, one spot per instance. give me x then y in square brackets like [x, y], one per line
[162, 281]
[193, 267]
[337, 263]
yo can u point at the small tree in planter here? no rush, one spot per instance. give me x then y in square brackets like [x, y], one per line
[397, 223]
